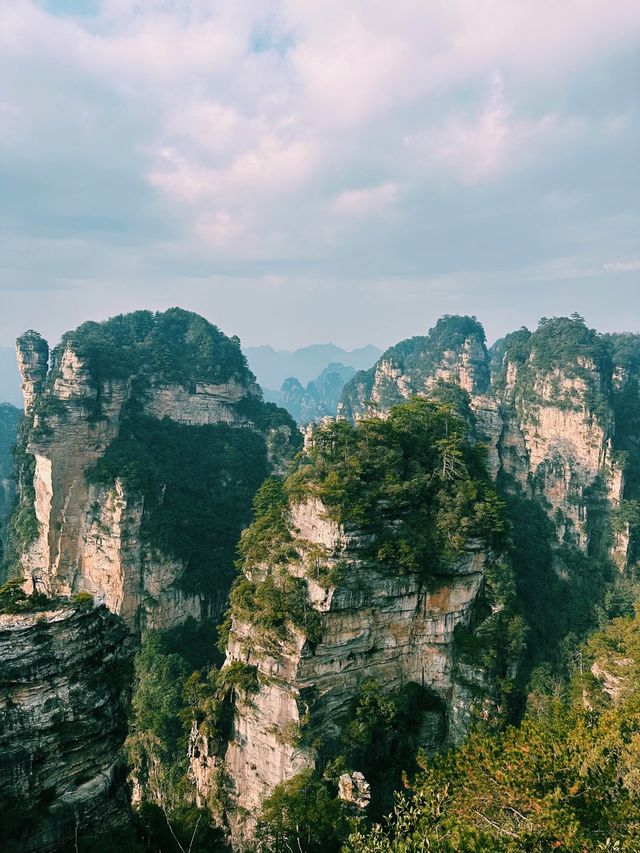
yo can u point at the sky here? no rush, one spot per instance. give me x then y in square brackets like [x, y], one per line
[302, 171]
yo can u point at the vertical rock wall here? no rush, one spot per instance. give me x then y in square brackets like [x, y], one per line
[63, 693]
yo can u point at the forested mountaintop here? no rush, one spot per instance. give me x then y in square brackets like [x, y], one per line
[144, 441]
[435, 595]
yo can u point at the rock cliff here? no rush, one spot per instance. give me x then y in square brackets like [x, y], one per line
[320, 397]
[63, 693]
[329, 605]
[558, 412]
[392, 630]
[122, 406]
[544, 403]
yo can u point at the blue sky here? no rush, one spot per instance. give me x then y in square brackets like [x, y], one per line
[301, 171]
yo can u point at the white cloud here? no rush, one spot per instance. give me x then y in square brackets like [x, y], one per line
[623, 266]
[282, 131]
[366, 202]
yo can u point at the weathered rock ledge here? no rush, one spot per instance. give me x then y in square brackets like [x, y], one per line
[63, 694]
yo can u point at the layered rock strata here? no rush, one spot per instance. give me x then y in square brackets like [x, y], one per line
[90, 535]
[63, 675]
[390, 629]
[547, 417]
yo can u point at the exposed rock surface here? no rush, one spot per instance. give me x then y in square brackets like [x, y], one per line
[354, 788]
[320, 397]
[90, 535]
[393, 630]
[62, 726]
[33, 361]
[546, 415]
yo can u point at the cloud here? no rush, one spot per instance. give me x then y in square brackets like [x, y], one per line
[168, 139]
[366, 202]
[623, 266]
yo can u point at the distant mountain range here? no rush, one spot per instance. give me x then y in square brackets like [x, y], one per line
[272, 367]
[319, 399]
[9, 377]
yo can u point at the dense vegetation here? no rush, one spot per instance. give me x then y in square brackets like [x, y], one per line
[21, 527]
[418, 359]
[171, 671]
[564, 346]
[9, 421]
[625, 354]
[566, 779]
[414, 481]
[197, 482]
[177, 345]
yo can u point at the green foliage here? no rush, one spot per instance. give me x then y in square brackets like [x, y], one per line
[22, 527]
[276, 602]
[561, 593]
[157, 698]
[10, 418]
[562, 344]
[197, 482]
[177, 345]
[168, 695]
[183, 828]
[83, 600]
[13, 599]
[303, 815]
[625, 352]
[418, 358]
[566, 779]
[516, 345]
[383, 734]
[238, 676]
[268, 539]
[414, 481]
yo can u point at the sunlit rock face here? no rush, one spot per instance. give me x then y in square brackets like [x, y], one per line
[173, 366]
[546, 415]
[32, 352]
[392, 630]
[546, 412]
[63, 694]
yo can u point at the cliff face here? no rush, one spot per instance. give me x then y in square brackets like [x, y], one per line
[107, 383]
[350, 579]
[559, 413]
[454, 352]
[393, 630]
[320, 397]
[62, 726]
[543, 404]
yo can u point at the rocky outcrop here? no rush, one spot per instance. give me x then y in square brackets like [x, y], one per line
[542, 403]
[63, 675]
[320, 397]
[33, 361]
[374, 626]
[453, 353]
[169, 367]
